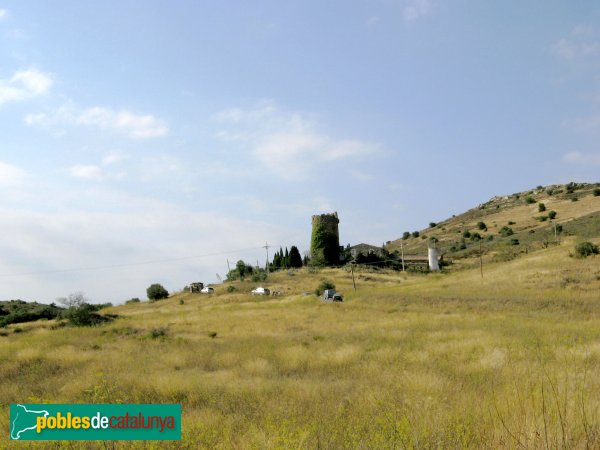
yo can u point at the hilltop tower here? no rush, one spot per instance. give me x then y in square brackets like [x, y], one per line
[325, 240]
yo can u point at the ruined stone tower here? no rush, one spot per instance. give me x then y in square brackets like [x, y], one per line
[325, 240]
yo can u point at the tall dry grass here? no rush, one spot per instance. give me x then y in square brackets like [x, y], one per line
[407, 361]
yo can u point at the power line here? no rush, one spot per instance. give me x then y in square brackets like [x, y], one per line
[114, 266]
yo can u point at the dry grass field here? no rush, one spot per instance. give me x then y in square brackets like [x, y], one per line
[453, 360]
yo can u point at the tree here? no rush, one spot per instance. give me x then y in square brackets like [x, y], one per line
[156, 292]
[74, 300]
[295, 258]
[481, 225]
[432, 224]
[415, 234]
[552, 215]
[541, 207]
[405, 235]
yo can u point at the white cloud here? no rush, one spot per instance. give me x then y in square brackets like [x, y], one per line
[87, 172]
[133, 125]
[11, 175]
[583, 158]
[361, 176]
[373, 21]
[114, 158]
[417, 9]
[117, 244]
[24, 85]
[288, 144]
[580, 44]
[585, 124]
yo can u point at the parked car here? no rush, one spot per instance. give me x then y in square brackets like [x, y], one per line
[261, 291]
[330, 295]
[207, 290]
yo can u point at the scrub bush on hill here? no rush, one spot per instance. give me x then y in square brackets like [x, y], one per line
[325, 284]
[585, 249]
[19, 311]
[156, 292]
[85, 315]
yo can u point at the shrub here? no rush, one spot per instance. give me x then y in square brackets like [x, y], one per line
[432, 224]
[510, 222]
[325, 284]
[156, 292]
[514, 242]
[231, 289]
[550, 191]
[490, 237]
[466, 234]
[506, 231]
[481, 226]
[405, 235]
[84, 316]
[156, 333]
[132, 300]
[585, 249]
[475, 237]
[574, 199]
[596, 192]
[542, 218]
[212, 334]
[541, 207]
[529, 200]
[259, 276]
[415, 234]
[552, 215]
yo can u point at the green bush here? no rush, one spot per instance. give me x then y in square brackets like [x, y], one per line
[432, 224]
[585, 249]
[156, 333]
[156, 292]
[481, 226]
[596, 192]
[84, 315]
[552, 215]
[541, 207]
[506, 231]
[231, 289]
[415, 234]
[405, 235]
[529, 200]
[466, 234]
[325, 284]
[132, 300]
[514, 242]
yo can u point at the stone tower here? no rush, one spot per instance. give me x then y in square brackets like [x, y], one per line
[325, 240]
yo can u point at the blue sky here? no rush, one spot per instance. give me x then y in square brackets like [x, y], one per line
[190, 133]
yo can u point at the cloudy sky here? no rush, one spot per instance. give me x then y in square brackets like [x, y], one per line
[151, 141]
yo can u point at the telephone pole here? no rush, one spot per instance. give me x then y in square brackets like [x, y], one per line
[402, 250]
[266, 247]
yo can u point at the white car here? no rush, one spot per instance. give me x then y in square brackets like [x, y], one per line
[261, 291]
[207, 290]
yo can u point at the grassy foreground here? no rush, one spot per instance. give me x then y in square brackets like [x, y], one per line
[407, 361]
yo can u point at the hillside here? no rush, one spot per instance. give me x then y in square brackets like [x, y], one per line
[499, 358]
[408, 360]
[577, 208]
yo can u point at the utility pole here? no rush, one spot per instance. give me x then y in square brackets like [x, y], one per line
[402, 250]
[266, 247]
[352, 270]
[480, 259]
